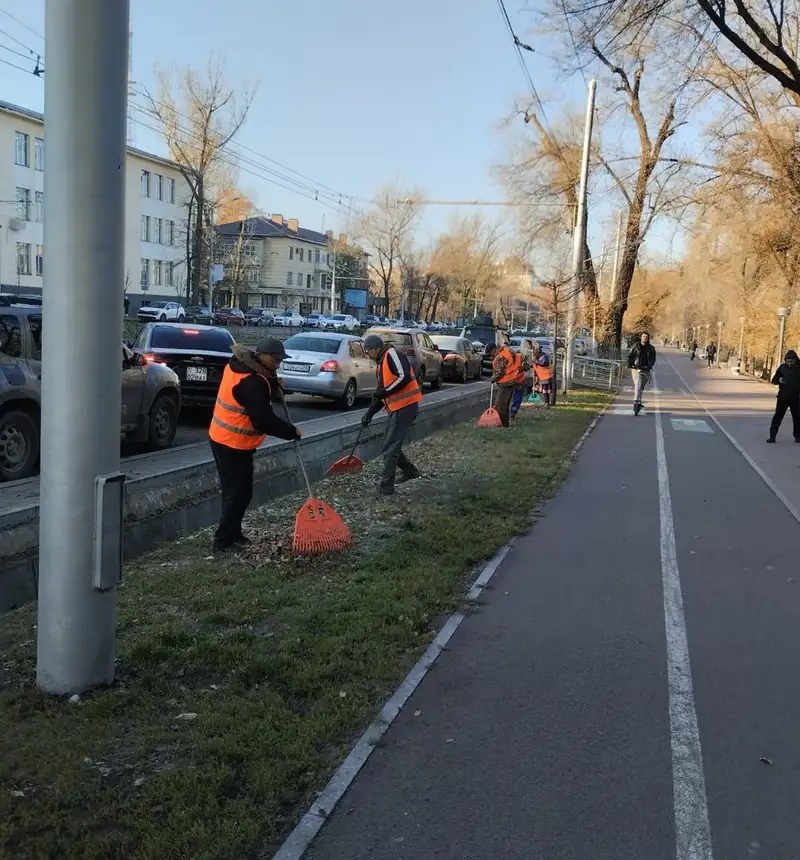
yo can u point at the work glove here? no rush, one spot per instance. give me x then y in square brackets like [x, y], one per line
[380, 393]
[372, 410]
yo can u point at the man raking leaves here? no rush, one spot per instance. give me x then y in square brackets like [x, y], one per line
[399, 391]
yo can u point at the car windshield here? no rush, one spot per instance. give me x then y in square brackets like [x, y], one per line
[339, 317]
[156, 305]
[195, 309]
[484, 335]
[309, 343]
[451, 343]
[401, 338]
[202, 340]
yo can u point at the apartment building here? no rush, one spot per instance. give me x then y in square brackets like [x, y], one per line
[155, 215]
[273, 262]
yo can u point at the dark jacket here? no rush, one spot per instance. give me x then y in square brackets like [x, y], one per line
[642, 356]
[400, 366]
[256, 395]
[787, 377]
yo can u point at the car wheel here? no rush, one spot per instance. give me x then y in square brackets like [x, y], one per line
[436, 384]
[181, 318]
[464, 373]
[163, 423]
[162, 318]
[19, 446]
[348, 399]
[479, 372]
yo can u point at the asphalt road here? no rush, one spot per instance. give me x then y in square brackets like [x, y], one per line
[627, 690]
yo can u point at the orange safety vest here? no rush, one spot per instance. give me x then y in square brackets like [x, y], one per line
[230, 424]
[520, 372]
[405, 396]
[510, 373]
[543, 374]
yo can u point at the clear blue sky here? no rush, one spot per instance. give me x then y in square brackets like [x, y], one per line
[351, 93]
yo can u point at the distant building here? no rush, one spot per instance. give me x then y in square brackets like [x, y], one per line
[155, 215]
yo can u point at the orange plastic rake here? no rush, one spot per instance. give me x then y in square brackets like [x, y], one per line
[350, 463]
[318, 529]
[491, 417]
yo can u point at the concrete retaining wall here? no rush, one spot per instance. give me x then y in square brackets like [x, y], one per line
[179, 498]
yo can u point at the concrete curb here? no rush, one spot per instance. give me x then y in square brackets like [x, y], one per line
[300, 839]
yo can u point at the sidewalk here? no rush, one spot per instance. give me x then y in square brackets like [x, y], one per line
[554, 727]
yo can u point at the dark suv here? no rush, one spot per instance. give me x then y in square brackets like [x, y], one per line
[151, 396]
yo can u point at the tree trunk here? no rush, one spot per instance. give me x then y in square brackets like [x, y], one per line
[199, 240]
[189, 252]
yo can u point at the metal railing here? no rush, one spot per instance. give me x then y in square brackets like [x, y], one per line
[594, 372]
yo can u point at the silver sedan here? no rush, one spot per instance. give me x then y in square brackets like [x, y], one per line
[328, 364]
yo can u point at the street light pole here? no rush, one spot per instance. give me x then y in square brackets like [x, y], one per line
[80, 530]
[579, 237]
[719, 342]
[783, 313]
[741, 343]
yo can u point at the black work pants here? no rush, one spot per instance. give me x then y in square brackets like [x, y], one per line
[235, 469]
[502, 403]
[784, 403]
[394, 438]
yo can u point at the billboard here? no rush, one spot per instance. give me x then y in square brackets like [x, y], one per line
[355, 298]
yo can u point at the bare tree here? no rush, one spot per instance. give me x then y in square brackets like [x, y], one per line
[387, 230]
[237, 255]
[199, 118]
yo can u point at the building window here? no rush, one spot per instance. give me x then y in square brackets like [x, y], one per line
[23, 258]
[145, 228]
[288, 279]
[40, 260]
[157, 273]
[38, 153]
[158, 230]
[159, 187]
[317, 257]
[169, 235]
[170, 190]
[308, 282]
[145, 183]
[22, 149]
[270, 301]
[39, 207]
[253, 274]
[291, 252]
[302, 254]
[145, 278]
[169, 274]
[24, 204]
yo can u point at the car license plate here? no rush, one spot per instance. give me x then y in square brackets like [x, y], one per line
[196, 374]
[297, 368]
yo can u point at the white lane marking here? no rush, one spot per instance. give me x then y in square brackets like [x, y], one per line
[755, 467]
[693, 425]
[692, 827]
[300, 839]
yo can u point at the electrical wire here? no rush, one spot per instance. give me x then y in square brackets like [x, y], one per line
[15, 66]
[22, 24]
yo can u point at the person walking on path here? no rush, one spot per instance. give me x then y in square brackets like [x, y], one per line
[543, 373]
[400, 392]
[641, 360]
[711, 353]
[504, 376]
[787, 378]
[243, 417]
[693, 351]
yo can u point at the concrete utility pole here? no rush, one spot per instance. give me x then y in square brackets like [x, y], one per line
[615, 270]
[333, 284]
[579, 236]
[783, 313]
[741, 345]
[80, 534]
[719, 342]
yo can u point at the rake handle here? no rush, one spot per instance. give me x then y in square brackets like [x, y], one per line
[355, 444]
[297, 452]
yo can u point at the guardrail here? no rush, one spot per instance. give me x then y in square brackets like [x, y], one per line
[594, 372]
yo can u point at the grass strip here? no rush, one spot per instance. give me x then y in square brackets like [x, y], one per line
[242, 683]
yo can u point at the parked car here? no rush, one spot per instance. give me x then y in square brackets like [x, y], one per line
[162, 311]
[460, 360]
[200, 314]
[487, 338]
[327, 364]
[316, 320]
[228, 316]
[151, 396]
[292, 320]
[197, 354]
[371, 319]
[420, 349]
[342, 322]
[258, 316]
[580, 346]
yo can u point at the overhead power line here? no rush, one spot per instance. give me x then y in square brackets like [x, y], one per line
[23, 24]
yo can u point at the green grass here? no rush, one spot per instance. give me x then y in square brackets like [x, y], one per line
[282, 661]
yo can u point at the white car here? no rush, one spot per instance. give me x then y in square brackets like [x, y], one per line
[341, 322]
[288, 319]
[162, 312]
[316, 320]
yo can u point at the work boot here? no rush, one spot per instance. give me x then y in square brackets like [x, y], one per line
[221, 548]
[771, 440]
[386, 490]
[410, 474]
[241, 540]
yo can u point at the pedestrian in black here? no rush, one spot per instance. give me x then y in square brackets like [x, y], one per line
[693, 350]
[787, 378]
[711, 353]
[243, 418]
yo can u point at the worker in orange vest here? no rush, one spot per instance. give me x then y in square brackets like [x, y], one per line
[399, 391]
[543, 372]
[520, 387]
[242, 420]
[505, 370]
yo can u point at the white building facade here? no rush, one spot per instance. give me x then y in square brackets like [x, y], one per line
[156, 199]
